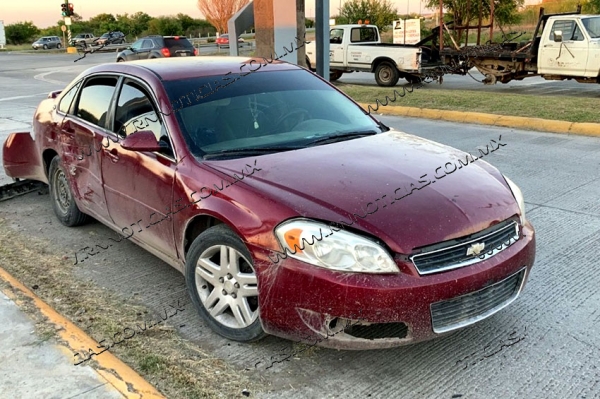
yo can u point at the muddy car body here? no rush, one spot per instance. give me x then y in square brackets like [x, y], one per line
[228, 169]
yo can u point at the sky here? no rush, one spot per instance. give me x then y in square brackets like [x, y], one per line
[45, 13]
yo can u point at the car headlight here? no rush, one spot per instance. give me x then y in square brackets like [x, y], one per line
[518, 196]
[314, 243]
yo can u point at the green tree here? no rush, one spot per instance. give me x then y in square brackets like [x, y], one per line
[591, 6]
[165, 26]
[377, 12]
[139, 22]
[20, 32]
[505, 11]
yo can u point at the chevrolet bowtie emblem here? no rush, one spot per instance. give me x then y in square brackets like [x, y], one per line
[476, 248]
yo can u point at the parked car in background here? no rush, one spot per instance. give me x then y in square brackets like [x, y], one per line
[414, 267]
[158, 47]
[110, 38]
[223, 41]
[47, 42]
[83, 39]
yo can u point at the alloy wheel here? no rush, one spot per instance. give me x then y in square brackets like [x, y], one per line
[227, 286]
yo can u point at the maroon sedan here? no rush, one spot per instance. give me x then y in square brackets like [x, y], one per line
[289, 210]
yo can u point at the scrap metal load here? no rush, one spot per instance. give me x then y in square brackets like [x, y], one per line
[22, 187]
[564, 47]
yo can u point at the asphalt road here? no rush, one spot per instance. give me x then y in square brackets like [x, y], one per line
[544, 345]
[535, 86]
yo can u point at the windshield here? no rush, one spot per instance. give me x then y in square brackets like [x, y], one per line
[275, 110]
[592, 25]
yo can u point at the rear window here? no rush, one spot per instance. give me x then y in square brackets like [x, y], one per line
[178, 44]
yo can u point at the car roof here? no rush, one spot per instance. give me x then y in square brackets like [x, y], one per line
[191, 67]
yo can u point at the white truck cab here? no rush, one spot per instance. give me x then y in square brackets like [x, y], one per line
[570, 46]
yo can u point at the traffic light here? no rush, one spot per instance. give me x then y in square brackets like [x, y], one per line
[64, 7]
[71, 12]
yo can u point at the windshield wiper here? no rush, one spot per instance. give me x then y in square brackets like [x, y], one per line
[248, 151]
[341, 137]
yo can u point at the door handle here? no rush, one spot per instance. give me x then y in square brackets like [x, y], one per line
[67, 127]
[113, 154]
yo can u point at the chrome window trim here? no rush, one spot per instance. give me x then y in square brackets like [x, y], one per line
[477, 259]
[488, 313]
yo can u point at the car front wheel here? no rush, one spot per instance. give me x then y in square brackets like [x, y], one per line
[58, 46]
[223, 285]
[45, 47]
[61, 196]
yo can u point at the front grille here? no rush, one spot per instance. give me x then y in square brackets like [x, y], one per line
[459, 253]
[470, 308]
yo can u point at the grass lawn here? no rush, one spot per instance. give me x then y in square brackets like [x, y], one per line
[563, 108]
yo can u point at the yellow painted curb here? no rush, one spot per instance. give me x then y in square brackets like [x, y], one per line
[72, 50]
[124, 379]
[517, 122]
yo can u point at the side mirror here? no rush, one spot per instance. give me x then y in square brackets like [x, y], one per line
[558, 37]
[143, 140]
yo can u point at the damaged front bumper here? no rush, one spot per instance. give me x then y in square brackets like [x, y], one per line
[362, 311]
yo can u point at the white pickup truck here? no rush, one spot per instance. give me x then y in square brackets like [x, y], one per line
[359, 48]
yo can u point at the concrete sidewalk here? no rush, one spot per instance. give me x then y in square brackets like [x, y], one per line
[33, 368]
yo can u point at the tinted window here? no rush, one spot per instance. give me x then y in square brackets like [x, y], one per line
[363, 35]
[270, 109]
[135, 112]
[95, 100]
[178, 44]
[67, 101]
[147, 44]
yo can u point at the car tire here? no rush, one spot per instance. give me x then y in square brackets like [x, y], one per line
[224, 291]
[308, 63]
[120, 60]
[45, 47]
[335, 75]
[386, 74]
[61, 195]
[58, 46]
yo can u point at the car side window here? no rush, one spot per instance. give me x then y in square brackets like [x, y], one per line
[95, 99]
[363, 35]
[577, 34]
[566, 27]
[67, 101]
[336, 36]
[135, 112]
[137, 45]
[146, 44]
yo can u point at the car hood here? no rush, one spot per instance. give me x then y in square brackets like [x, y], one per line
[368, 176]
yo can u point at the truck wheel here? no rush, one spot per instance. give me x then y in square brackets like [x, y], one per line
[386, 74]
[335, 75]
[64, 205]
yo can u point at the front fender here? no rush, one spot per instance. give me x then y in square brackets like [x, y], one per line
[21, 158]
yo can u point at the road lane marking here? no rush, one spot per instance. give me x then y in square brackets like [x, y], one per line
[42, 77]
[28, 96]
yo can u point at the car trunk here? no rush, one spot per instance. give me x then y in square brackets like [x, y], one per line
[179, 47]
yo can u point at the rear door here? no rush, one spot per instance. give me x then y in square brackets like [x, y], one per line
[146, 47]
[139, 185]
[83, 129]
